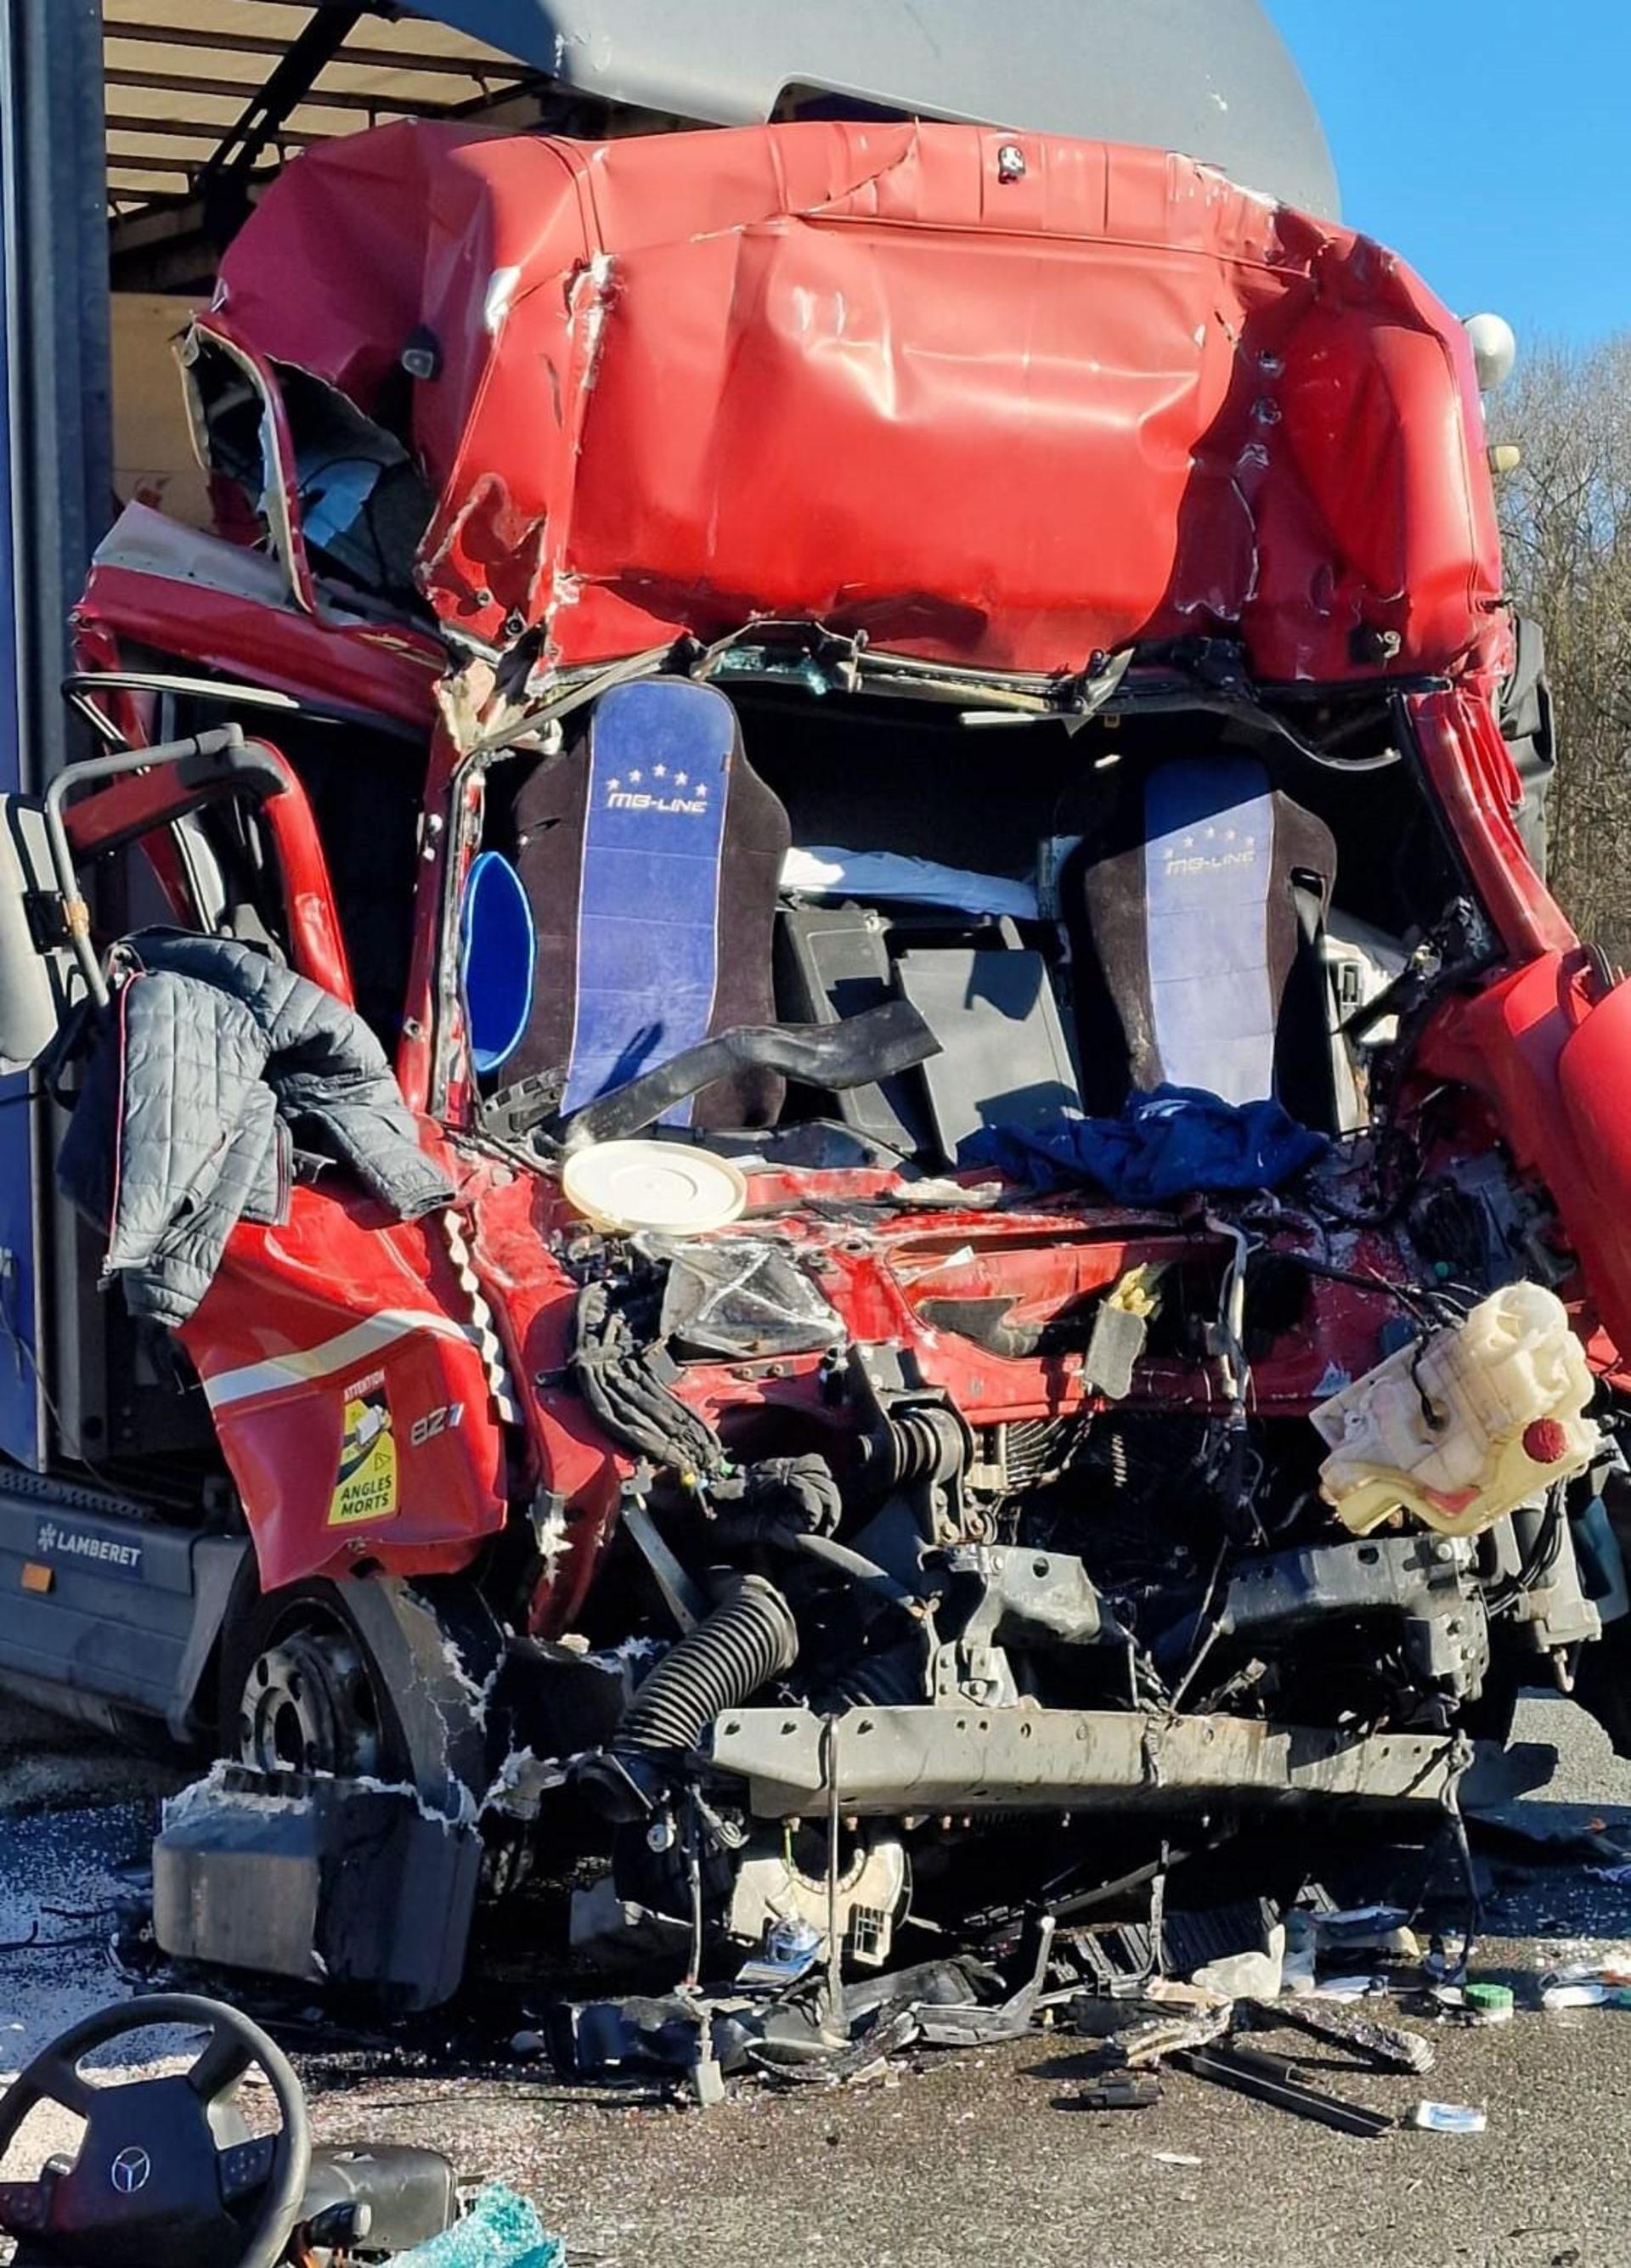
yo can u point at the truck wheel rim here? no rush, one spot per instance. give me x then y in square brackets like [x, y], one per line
[307, 1706]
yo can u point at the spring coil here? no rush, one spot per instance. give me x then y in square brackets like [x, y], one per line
[745, 1642]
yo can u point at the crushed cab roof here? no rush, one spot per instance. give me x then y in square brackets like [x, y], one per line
[1002, 401]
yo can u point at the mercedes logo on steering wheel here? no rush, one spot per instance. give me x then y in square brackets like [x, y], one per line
[131, 2170]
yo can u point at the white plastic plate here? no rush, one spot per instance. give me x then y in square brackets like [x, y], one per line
[624, 1186]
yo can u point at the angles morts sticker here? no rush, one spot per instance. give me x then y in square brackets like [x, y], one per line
[366, 1486]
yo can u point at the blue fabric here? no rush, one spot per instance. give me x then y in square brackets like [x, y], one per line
[660, 756]
[497, 954]
[1165, 1145]
[1209, 868]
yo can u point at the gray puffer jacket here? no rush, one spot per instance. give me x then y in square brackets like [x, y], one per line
[210, 1065]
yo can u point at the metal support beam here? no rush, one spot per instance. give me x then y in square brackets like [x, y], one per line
[165, 244]
[260, 43]
[58, 424]
[224, 179]
[963, 1758]
[325, 98]
[149, 169]
[128, 122]
[62, 410]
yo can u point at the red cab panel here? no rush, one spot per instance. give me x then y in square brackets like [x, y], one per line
[343, 1368]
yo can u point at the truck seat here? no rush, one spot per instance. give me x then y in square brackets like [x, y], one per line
[650, 855]
[1195, 906]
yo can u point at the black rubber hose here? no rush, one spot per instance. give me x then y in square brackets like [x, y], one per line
[861, 1570]
[747, 1640]
[737, 1531]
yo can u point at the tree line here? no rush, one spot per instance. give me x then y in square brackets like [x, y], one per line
[1566, 522]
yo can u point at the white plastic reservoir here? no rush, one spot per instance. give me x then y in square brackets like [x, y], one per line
[1463, 1428]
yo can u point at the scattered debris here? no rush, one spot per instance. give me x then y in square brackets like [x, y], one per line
[1127, 2090]
[1160, 2023]
[1587, 1994]
[1246, 1975]
[1488, 2004]
[1346, 1988]
[968, 2023]
[1449, 2118]
[792, 1948]
[1370, 1929]
[1389, 2045]
[1272, 2079]
[1535, 1842]
[501, 2230]
[1600, 1987]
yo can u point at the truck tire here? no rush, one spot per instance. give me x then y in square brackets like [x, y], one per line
[383, 1679]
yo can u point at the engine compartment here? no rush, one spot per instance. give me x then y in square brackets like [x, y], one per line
[971, 1470]
[952, 1484]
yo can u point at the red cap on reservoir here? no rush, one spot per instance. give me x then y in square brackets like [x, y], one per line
[1545, 1441]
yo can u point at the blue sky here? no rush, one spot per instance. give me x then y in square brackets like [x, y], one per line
[1488, 141]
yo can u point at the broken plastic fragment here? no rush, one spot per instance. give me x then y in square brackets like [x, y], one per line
[1449, 2118]
[1585, 1992]
[501, 2230]
[1246, 1975]
[740, 1300]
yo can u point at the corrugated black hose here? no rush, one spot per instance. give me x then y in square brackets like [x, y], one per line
[750, 1638]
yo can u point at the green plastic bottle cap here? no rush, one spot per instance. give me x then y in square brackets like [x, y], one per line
[1488, 1999]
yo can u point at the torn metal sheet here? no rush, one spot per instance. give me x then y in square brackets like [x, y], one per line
[1275, 422]
[1388, 2046]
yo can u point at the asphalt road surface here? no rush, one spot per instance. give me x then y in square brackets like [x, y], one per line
[981, 2157]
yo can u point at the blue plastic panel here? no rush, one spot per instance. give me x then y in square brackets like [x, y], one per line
[648, 911]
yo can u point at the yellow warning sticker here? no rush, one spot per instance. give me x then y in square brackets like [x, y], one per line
[366, 1487]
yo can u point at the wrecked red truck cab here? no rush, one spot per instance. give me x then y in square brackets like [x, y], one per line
[895, 731]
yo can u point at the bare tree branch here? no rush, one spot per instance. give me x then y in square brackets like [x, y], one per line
[1566, 522]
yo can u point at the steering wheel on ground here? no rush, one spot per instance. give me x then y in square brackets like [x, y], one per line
[151, 2183]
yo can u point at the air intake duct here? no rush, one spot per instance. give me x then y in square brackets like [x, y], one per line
[748, 1638]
